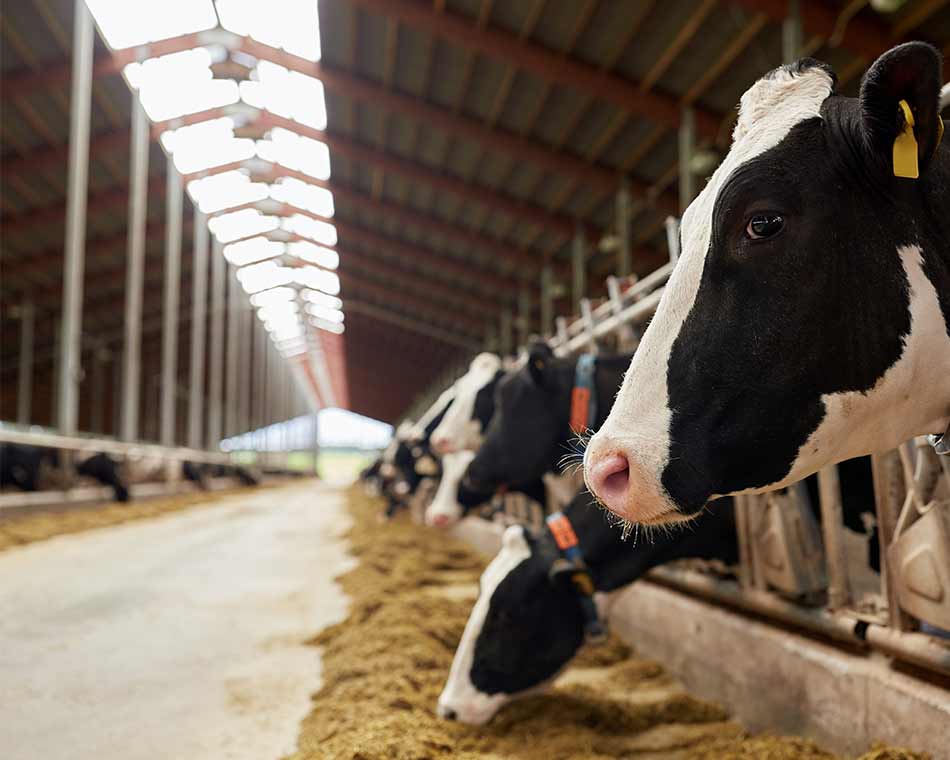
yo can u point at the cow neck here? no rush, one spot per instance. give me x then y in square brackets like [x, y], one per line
[602, 382]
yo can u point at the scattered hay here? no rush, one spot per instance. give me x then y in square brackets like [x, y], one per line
[385, 665]
[27, 529]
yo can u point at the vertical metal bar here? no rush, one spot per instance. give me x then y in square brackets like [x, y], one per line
[524, 314]
[832, 520]
[506, 337]
[792, 33]
[889, 494]
[244, 381]
[624, 264]
[199, 311]
[216, 352]
[24, 393]
[260, 385]
[547, 301]
[135, 273]
[231, 380]
[316, 442]
[77, 187]
[672, 225]
[173, 213]
[687, 144]
[579, 267]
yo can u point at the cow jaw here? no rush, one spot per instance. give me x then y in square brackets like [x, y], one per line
[460, 697]
[638, 427]
[445, 509]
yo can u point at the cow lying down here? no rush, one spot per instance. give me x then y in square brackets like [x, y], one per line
[34, 468]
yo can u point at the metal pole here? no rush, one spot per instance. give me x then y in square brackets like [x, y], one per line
[231, 394]
[623, 228]
[135, 273]
[75, 251]
[579, 267]
[260, 383]
[24, 394]
[829, 490]
[687, 144]
[173, 212]
[316, 442]
[506, 338]
[792, 33]
[199, 313]
[216, 353]
[524, 314]
[245, 367]
[547, 301]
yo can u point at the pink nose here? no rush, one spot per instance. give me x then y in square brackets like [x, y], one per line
[609, 479]
[440, 521]
[442, 445]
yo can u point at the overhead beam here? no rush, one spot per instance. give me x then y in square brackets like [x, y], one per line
[541, 61]
[386, 316]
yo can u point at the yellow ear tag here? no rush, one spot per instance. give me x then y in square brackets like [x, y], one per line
[905, 147]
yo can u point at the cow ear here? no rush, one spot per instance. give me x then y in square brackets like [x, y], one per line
[539, 358]
[907, 74]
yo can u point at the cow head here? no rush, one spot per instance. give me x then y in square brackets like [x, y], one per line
[445, 509]
[806, 319]
[465, 419]
[531, 418]
[524, 628]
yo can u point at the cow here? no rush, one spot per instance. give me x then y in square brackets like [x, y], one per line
[32, 468]
[533, 613]
[470, 411]
[807, 320]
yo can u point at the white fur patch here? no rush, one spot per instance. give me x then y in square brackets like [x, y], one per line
[417, 432]
[639, 422]
[458, 428]
[445, 503]
[459, 694]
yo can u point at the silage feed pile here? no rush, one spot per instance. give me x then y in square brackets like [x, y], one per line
[384, 666]
[26, 529]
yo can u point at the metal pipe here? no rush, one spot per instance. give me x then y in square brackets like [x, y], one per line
[889, 493]
[231, 380]
[687, 145]
[260, 382]
[579, 266]
[135, 272]
[173, 214]
[792, 33]
[77, 186]
[832, 519]
[199, 310]
[624, 264]
[24, 395]
[245, 367]
[216, 353]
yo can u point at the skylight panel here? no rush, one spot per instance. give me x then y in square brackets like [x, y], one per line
[287, 93]
[317, 200]
[317, 279]
[263, 276]
[296, 152]
[273, 296]
[293, 25]
[205, 145]
[314, 254]
[319, 232]
[241, 224]
[125, 23]
[253, 250]
[225, 190]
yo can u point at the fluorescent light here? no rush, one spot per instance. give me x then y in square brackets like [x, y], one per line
[287, 93]
[321, 299]
[316, 200]
[225, 190]
[201, 146]
[263, 276]
[276, 312]
[296, 152]
[315, 254]
[319, 232]
[317, 279]
[252, 250]
[241, 224]
[273, 296]
[332, 327]
[322, 312]
[125, 24]
[293, 25]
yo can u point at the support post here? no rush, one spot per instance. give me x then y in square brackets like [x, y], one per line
[316, 442]
[77, 186]
[260, 383]
[135, 273]
[244, 381]
[24, 394]
[624, 264]
[216, 353]
[832, 520]
[687, 145]
[579, 267]
[547, 301]
[199, 310]
[231, 379]
[173, 213]
[792, 33]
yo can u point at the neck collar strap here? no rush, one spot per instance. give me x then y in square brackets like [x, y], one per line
[571, 564]
[584, 394]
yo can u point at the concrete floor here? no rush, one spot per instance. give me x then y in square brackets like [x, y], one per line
[178, 637]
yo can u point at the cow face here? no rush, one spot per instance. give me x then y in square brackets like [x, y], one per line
[806, 319]
[523, 629]
[461, 427]
[523, 439]
[445, 509]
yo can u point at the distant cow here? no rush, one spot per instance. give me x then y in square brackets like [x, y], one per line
[32, 468]
[466, 418]
[808, 318]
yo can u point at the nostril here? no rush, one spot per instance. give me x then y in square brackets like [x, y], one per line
[447, 713]
[440, 521]
[609, 479]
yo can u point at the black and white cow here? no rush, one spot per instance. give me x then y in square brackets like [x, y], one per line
[528, 621]
[467, 416]
[32, 468]
[808, 318]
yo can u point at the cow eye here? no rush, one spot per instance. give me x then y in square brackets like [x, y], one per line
[762, 226]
